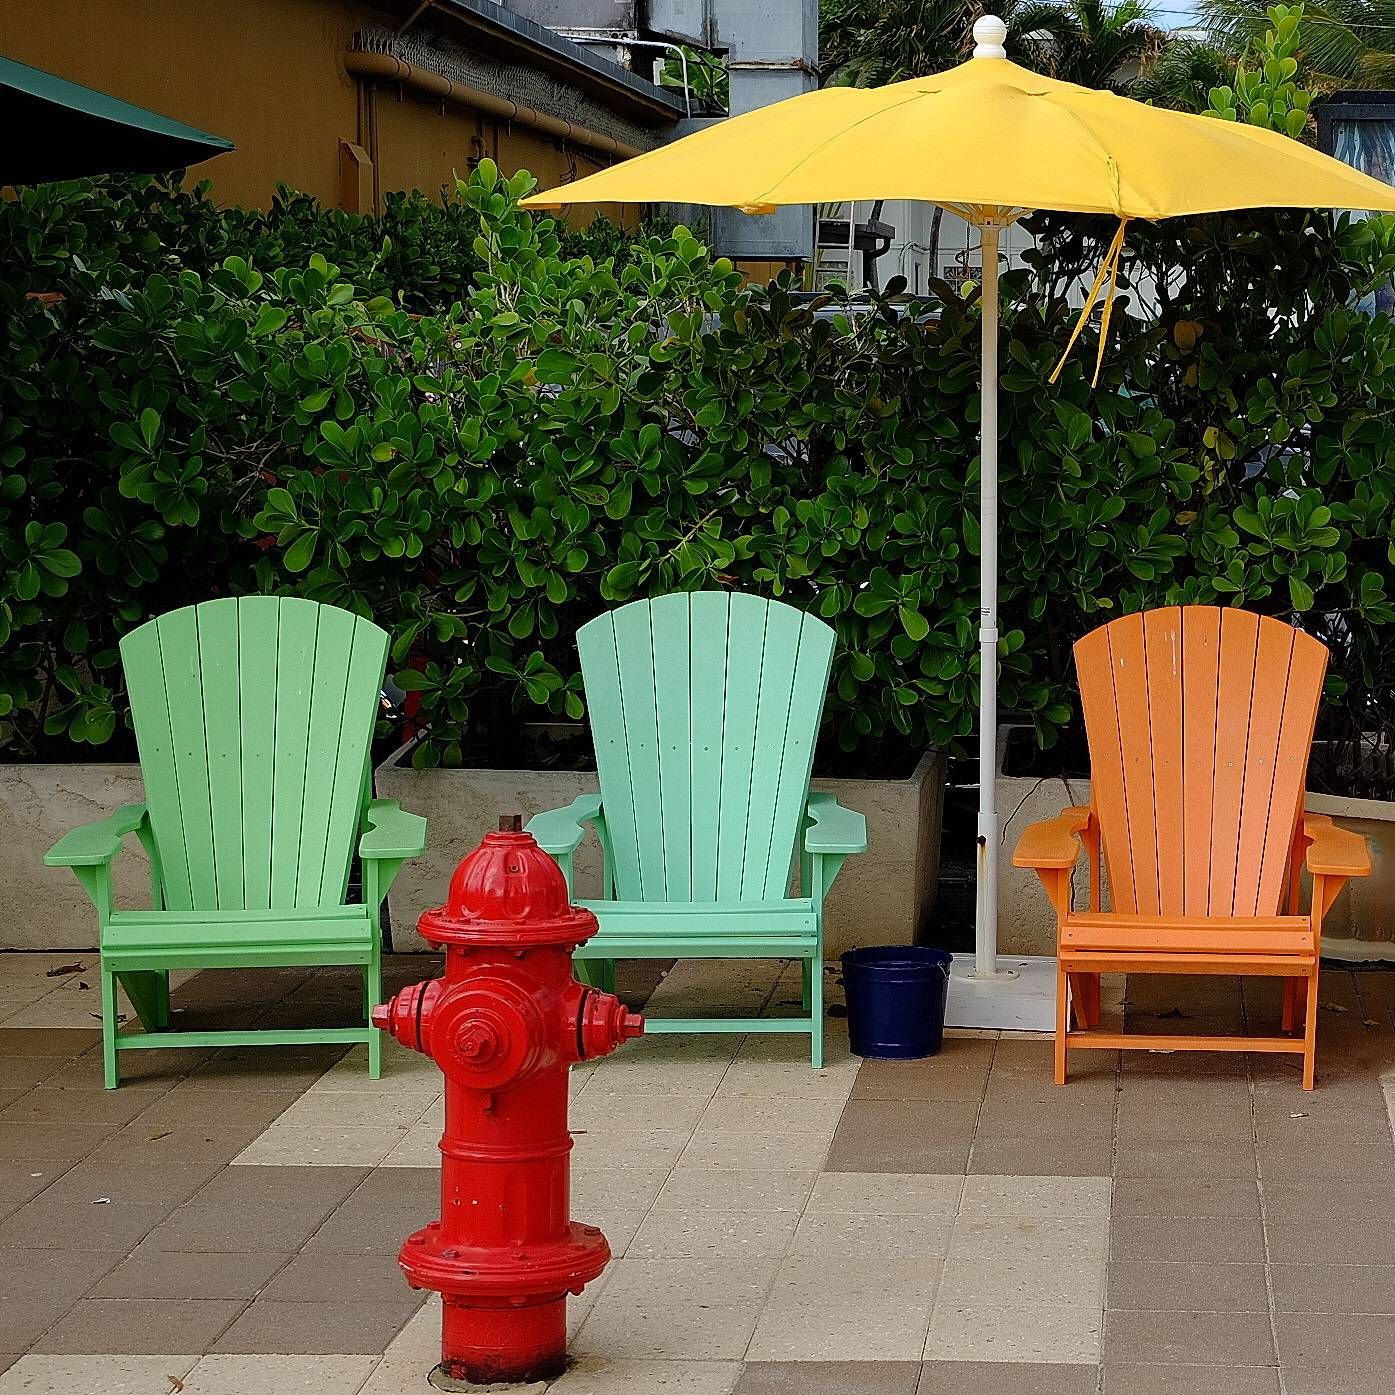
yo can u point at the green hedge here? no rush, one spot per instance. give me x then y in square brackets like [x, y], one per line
[572, 432]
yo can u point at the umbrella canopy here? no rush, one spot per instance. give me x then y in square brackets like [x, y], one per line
[59, 130]
[990, 141]
[984, 134]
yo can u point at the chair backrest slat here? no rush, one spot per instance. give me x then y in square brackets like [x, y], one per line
[705, 708]
[254, 720]
[1200, 723]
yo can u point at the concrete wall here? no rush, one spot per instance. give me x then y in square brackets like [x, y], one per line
[269, 76]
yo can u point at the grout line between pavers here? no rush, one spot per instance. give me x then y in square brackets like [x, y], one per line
[1113, 1179]
[1259, 1186]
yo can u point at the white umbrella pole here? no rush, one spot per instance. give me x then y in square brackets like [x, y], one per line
[986, 922]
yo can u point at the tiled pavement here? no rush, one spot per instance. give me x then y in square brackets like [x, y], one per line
[1196, 1225]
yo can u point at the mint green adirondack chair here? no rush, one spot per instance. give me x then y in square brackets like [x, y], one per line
[254, 719]
[705, 707]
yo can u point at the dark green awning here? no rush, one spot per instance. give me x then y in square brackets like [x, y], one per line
[54, 129]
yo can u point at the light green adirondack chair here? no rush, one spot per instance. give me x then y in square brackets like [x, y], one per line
[254, 719]
[705, 707]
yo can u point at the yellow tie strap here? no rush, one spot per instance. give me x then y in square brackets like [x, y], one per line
[1109, 270]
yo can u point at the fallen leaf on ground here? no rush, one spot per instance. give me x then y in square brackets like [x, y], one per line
[59, 970]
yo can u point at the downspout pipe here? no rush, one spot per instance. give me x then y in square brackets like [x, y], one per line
[385, 67]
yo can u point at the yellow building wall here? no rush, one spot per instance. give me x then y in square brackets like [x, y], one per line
[268, 75]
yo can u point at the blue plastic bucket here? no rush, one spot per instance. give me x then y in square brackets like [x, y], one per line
[896, 1000]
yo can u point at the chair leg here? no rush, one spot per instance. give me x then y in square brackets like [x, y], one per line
[110, 1076]
[162, 999]
[806, 965]
[1062, 1021]
[814, 977]
[373, 991]
[1290, 1014]
[1084, 999]
[1310, 1031]
[596, 973]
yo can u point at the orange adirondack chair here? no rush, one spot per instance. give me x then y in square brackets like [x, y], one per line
[1200, 721]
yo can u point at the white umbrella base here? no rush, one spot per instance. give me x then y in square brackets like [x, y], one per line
[1021, 997]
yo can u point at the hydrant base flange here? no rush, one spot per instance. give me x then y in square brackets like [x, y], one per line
[537, 1270]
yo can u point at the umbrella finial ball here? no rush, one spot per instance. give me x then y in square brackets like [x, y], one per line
[989, 34]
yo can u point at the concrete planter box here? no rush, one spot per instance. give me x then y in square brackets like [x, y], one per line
[38, 805]
[883, 896]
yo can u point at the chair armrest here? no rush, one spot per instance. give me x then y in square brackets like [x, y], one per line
[1333, 851]
[832, 828]
[391, 832]
[99, 842]
[1052, 843]
[560, 831]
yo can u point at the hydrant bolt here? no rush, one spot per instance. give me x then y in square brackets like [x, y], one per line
[505, 1023]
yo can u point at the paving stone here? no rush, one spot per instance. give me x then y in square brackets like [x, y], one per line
[598, 1375]
[900, 1136]
[326, 1278]
[865, 1308]
[1349, 1239]
[279, 1375]
[48, 1041]
[1333, 1288]
[1057, 1156]
[172, 1274]
[1164, 1338]
[687, 1188]
[56, 1223]
[1180, 1287]
[1194, 1158]
[692, 1309]
[1006, 1378]
[996, 1198]
[1321, 1161]
[1193, 1380]
[24, 1072]
[887, 1193]
[1182, 1196]
[706, 1233]
[380, 1213]
[1031, 1334]
[50, 1105]
[132, 1326]
[40, 1143]
[335, 1328]
[1214, 1239]
[921, 1080]
[156, 1144]
[1362, 1342]
[1329, 1380]
[101, 1375]
[26, 1317]
[188, 1105]
[804, 1377]
[256, 1209]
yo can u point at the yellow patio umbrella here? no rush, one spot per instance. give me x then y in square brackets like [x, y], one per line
[990, 141]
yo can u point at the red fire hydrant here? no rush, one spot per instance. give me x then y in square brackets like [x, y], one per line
[504, 1023]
